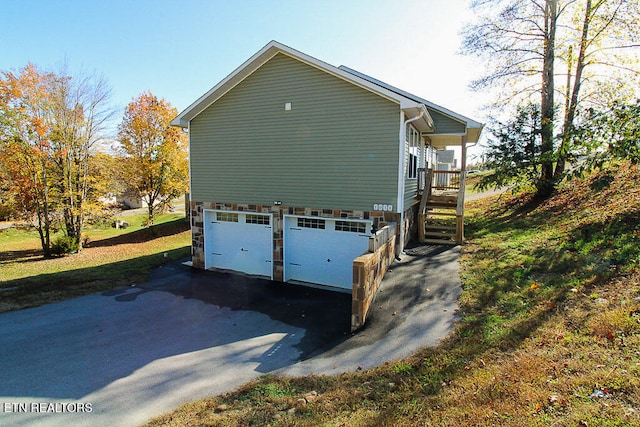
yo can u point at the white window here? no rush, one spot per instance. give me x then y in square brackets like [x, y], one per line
[351, 226]
[413, 144]
[311, 223]
[227, 217]
[257, 219]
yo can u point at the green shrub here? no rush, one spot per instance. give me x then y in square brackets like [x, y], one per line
[64, 245]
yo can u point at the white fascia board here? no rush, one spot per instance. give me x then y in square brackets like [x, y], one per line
[178, 122]
[427, 117]
[264, 55]
[473, 134]
[337, 72]
[452, 114]
[226, 84]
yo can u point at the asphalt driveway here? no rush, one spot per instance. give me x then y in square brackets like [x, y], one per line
[125, 356]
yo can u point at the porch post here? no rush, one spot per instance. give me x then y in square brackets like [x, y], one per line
[461, 191]
[463, 160]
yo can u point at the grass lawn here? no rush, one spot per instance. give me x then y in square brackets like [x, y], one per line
[472, 180]
[112, 258]
[549, 330]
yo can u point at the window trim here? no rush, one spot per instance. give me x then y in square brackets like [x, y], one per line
[413, 146]
[227, 216]
[351, 226]
[315, 223]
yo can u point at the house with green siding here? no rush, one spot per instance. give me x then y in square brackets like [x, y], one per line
[298, 168]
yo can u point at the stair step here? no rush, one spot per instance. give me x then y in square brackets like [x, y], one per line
[439, 234]
[442, 214]
[442, 205]
[441, 197]
[440, 227]
[438, 242]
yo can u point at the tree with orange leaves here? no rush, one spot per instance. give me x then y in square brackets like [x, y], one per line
[50, 125]
[25, 146]
[154, 153]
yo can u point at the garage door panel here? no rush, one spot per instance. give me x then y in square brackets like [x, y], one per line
[307, 261]
[317, 251]
[239, 241]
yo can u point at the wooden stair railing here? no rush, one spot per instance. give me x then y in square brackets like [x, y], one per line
[441, 216]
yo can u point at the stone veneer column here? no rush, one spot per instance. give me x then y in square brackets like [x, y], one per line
[197, 234]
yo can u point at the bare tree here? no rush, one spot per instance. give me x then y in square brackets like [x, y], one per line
[524, 44]
[605, 36]
[82, 112]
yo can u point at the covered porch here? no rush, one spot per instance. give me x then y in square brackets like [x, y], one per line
[441, 192]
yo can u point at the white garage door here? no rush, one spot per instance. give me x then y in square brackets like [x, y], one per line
[239, 241]
[322, 250]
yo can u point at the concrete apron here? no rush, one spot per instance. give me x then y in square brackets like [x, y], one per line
[415, 307]
[137, 353]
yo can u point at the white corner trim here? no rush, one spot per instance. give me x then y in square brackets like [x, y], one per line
[401, 162]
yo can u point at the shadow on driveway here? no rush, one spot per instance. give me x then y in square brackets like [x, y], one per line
[71, 349]
[325, 315]
[137, 352]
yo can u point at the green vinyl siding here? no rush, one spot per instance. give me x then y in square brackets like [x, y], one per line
[410, 192]
[445, 124]
[337, 148]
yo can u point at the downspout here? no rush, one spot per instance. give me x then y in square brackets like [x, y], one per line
[401, 172]
[466, 147]
[189, 213]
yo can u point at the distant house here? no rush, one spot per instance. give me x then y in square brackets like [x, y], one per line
[108, 199]
[130, 200]
[445, 161]
[446, 158]
[299, 168]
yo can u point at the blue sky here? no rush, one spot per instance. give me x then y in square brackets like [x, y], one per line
[180, 49]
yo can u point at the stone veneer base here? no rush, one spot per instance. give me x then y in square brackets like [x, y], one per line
[380, 219]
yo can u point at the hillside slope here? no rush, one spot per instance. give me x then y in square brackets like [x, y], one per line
[549, 330]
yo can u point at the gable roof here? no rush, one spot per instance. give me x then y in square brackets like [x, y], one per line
[412, 105]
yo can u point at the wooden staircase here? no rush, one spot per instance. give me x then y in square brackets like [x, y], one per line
[441, 213]
[439, 220]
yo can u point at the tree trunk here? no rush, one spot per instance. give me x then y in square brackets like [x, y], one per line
[150, 201]
[44, 224]
[44, 233]
[572, 103]
[546, 183]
